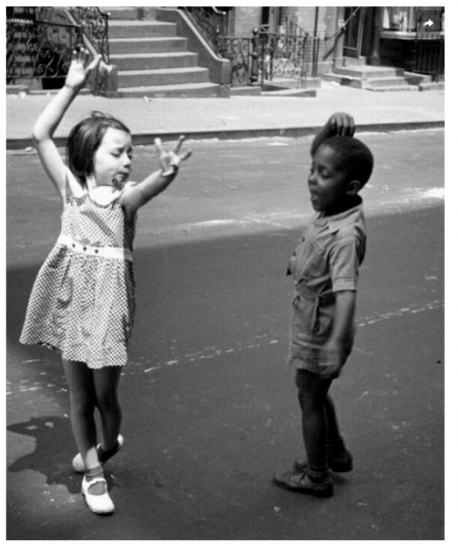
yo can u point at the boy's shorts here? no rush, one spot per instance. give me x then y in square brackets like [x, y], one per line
[310, 330]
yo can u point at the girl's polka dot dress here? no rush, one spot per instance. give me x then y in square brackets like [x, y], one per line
[83, 299]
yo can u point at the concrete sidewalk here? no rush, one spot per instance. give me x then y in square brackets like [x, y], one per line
[236, 117]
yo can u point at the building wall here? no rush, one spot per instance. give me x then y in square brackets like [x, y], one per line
[245, 19]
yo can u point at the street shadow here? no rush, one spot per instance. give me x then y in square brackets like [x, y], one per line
[51, 454]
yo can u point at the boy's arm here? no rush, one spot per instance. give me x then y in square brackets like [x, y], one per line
[49, 120]
[343, 321]
[138, 195]
[339, 124]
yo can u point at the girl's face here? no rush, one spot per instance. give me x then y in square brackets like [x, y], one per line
[113, 158]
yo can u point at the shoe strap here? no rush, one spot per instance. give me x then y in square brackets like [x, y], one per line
[98, 480]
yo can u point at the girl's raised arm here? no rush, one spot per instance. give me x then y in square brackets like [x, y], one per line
[49, 120]
[138, 195]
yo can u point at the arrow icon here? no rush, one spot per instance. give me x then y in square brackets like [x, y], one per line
[428, 23]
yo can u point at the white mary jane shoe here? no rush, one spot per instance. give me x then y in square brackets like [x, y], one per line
[78, 463]
[99, 504]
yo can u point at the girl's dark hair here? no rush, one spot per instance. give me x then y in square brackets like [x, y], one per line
[354, 157]
[84, 140]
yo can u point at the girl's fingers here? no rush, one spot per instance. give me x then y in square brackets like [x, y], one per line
[185, 156]
[95, 63]
[181, 139]
[158, 146]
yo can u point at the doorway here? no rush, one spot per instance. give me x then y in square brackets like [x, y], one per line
[359, 36]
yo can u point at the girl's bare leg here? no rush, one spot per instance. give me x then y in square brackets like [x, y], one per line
[106, 382]
[82, 406]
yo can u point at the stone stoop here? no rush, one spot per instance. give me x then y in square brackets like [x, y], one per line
[354, 73]
[152, 60]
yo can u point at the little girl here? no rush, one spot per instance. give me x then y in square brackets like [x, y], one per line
[83, 299]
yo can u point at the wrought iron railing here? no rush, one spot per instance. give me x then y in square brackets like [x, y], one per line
[268, 56]
[212, 23]
[264, 56]
[94, 24]
[40, 42]
[430, 54]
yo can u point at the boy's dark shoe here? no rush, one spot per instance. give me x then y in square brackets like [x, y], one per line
[298, 480]
[343, 462]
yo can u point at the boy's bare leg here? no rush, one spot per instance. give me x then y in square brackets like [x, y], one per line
[312, 392]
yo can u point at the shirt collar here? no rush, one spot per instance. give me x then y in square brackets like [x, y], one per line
[340, 220]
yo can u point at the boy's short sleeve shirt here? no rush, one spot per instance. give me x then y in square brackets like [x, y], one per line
[326, 261]
[330, 252]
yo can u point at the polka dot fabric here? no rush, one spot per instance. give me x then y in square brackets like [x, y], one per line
[81, 304]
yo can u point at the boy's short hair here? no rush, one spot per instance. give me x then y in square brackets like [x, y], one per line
[354, 157]
[84, 140]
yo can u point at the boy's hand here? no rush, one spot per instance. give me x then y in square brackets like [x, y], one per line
[332, 360]
[170, 160]
[80, 68]
[341, 124]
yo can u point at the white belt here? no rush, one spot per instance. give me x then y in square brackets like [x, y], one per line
[120, 253]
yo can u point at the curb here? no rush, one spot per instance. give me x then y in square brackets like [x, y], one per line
[239, 134]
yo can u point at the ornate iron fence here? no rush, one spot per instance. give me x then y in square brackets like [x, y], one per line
[283, 56]
[40, 41]
[265, 56]
[94, 24]
[430, 54]
[212, 23]
[268, 56]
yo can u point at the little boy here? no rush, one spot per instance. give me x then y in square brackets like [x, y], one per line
[325, 270]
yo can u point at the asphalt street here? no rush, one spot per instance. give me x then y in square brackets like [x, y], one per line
[210, 409]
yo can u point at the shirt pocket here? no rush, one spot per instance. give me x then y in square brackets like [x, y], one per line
[316, 262]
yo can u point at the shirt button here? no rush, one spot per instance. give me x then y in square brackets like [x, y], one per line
[96, 250]
[84, 249]
[73, 245]
[303, 239]
[294, 253]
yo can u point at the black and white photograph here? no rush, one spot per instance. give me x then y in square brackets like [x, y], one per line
[225, 273]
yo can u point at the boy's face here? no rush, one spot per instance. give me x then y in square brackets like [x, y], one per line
[328, 184]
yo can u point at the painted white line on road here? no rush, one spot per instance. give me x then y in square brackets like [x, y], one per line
[435, 192]
[413, 309]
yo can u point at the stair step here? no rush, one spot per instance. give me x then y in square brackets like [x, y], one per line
[388, 82]
[138, 78]
[346, 81]
[432, 86]
[295, 93]
[392, 88]
[195, 90]
[116, 12]
[147, 45]
[154, 61]
[367, 72]
[140, 29]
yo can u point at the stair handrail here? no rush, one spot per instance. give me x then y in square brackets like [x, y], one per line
[343, 26]
[94, 24]
[214, 33]
[293, 28]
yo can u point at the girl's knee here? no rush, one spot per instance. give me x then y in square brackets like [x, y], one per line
[107, 401]
[83, 405]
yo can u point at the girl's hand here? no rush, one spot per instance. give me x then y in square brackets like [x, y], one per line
[170, 160]
[341, 124]
[80, 68]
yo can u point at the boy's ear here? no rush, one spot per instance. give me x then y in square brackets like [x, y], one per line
[353, 187]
